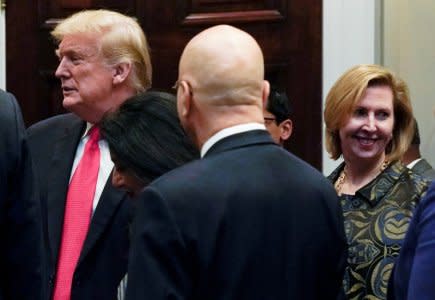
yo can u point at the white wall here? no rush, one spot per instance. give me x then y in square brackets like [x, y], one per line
[2, 50]
[409, 50]
[350, 36]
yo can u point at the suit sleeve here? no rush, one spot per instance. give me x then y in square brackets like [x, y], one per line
[421, 285]
[20, 216]
[158, 264]
[338, 250]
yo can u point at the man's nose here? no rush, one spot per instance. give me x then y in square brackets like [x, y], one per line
[62, 69]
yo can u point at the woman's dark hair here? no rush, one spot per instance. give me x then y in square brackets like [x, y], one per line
[146, 137]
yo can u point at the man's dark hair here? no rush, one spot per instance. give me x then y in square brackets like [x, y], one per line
[146, 137]
[278, 104]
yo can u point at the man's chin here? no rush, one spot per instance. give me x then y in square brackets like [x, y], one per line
[84, 112]
[69, 103]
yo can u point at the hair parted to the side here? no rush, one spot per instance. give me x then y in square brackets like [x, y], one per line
[146, 136]
[347, 92]
[122, 41]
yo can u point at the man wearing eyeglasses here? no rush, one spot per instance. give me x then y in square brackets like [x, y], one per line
[226, 226]
[277, 116]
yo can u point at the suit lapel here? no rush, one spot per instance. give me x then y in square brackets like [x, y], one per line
[58, 180]
[59, 175]
[421, 166]
[109, 201]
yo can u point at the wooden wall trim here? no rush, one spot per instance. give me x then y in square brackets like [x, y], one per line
[51, 23]
[232, 17]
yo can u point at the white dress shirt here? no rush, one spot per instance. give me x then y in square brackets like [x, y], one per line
[106, 164]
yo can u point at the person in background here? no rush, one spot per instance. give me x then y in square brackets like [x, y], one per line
[277, 116]
[412, 277]
[146, 140]
[369, 122]
[225, 226]
[413, 160]
[21, 258]
[103, 60]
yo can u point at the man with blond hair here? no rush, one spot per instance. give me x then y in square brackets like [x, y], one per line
[247, 221]
[103, 60]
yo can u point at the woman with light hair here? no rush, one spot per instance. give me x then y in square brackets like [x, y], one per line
[369, 123]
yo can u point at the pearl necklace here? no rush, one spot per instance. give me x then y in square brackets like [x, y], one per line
[338, 185]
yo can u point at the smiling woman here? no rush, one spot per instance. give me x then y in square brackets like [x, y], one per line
[369, 122]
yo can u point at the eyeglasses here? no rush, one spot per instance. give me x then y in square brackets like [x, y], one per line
[269, 120]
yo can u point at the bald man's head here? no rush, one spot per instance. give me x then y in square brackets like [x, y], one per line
[224, 66]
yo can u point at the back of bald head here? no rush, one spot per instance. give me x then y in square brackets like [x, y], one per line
[224, 66]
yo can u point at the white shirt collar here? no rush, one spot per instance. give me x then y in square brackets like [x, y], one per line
[227, 132]
[413, 163]
[88, 127]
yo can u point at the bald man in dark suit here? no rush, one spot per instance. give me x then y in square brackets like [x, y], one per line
[248, 220]
[20, 227]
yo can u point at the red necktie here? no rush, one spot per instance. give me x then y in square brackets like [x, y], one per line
[77, 217]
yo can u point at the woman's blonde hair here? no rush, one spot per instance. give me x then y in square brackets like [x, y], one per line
[347, 92]
[122, 41]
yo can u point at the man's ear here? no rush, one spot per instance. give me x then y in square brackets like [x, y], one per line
[286, 128]
[184, 99]
[121, 72]
[266, 91]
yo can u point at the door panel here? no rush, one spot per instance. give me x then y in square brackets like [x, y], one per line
[289, 32]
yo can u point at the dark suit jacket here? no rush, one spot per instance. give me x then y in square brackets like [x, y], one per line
[103, 260]
[425, 169]
[20, 213]
[412, 276]
[248, 221]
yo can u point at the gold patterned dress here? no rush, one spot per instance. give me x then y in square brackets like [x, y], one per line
[375, 220]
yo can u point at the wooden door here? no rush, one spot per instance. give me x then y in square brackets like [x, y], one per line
[289, 32]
